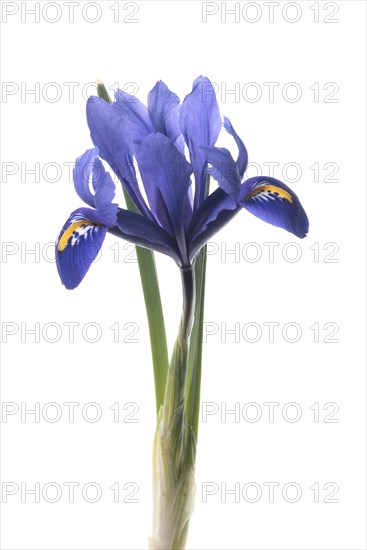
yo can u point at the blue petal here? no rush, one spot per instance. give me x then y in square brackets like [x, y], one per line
[112, 131]
[78, 245]
[164, 111]
[135, 115]
[82, 174]
[217, 210]
[104, 192]
[242, 159]
[200, 125]
[166, 177]
[224, 169]
[139, 230]
[88, 168]
[274, 202]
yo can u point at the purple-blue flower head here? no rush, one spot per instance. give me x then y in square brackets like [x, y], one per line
[174, 214]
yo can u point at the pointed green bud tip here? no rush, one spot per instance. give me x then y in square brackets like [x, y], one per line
[102, 91]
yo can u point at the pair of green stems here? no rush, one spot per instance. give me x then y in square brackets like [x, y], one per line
[177, 386]
[177, 391]
[175, 439]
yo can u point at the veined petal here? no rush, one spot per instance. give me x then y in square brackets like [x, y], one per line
[139, 230]
[224, 169]
[217, 210]
[88, 168]
[104, 192]
[82, 175]
[200, 124]
[242, 159]
[135, 115]
[166, 176]
[164, 111]
[274, 202]
[111, 132]
[78, 245]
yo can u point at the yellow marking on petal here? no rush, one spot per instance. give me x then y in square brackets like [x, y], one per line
[64, 239]
[273, 189]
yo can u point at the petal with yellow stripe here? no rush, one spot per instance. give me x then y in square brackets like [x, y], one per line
[274, 202]
[78, 245]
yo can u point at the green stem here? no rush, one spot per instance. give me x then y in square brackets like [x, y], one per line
[174, 399]
[152, 298]
[175, 441]
[153, 306]
[193, 378]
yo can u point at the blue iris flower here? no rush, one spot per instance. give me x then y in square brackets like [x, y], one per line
[174, 214]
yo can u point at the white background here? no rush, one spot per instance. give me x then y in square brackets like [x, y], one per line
[171, 42]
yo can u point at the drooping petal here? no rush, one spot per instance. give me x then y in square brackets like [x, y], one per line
[242, 159]
[166, 177]
[110, 127]
[82, 175]
[274, 202]
[78, 245]
[164, 111]
[224, 169]
[139, 230]
[217, 210]
[200, 124]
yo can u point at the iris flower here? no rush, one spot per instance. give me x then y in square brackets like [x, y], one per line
[164, 155]
[174, 215]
